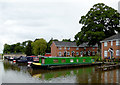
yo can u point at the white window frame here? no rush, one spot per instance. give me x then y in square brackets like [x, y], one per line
[68, 53]
[105, 53]
[60, 53]
[77, 53]
[117, 52]
[111, 43]
[105, 44]
[68, 48]
[117, 42]
[65, 48]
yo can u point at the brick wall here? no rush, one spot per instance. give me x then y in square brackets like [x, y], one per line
[114, 47]
[55, 50]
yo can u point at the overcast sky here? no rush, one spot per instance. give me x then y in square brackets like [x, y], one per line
[22, 20]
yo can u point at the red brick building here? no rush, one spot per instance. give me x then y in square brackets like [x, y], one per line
[110, 47]
[59, 48]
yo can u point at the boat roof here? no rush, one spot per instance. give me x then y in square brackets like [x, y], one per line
[63, 57]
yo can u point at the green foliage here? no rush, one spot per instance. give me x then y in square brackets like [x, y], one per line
[39, 46]
[15, 48]
[99, 23]
[96, 58]
[48, 50]
[28, 49]
[66, 40]
[7, 48]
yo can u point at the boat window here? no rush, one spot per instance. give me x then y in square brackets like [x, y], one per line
[23, 58]
[71, 60]
[43, 61]
[77, 60]
[63, 60]
[55, 60]
[92, 60]
[83, 60]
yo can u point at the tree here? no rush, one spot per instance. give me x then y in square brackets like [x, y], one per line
[6, 48]
[28, 49]
[66, 40]
[48, 50]
[99, 23]
[39, 46]
[18, 48]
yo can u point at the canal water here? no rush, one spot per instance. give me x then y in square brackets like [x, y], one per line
[20, 73]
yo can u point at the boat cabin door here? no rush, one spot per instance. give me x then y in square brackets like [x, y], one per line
[43, 61]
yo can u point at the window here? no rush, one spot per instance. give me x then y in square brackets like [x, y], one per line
[55, 60]
[117, 52]
[111, 43]
[63, 60]
[71, 60]
[117, 42]
[77, 48]
[105, 53]
[65, 48]
[93, 53]
[81, 52]
[68, 48]
[83, 60]
[77, 60]
[89, 53]
[59, 53]
[105, 44]
[84, 52]
[72, 53]
[77, 53]
[68, 53]
[43, 61]
[60, 48]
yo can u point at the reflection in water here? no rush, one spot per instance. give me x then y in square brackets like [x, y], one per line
[71, 75]
[49, 74]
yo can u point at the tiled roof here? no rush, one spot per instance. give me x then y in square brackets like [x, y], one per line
[117, 36]
[69, 44]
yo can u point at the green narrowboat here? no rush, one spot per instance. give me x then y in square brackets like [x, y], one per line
[63, 61]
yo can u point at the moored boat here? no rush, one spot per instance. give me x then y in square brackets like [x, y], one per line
[55, 62]
[32, 59]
